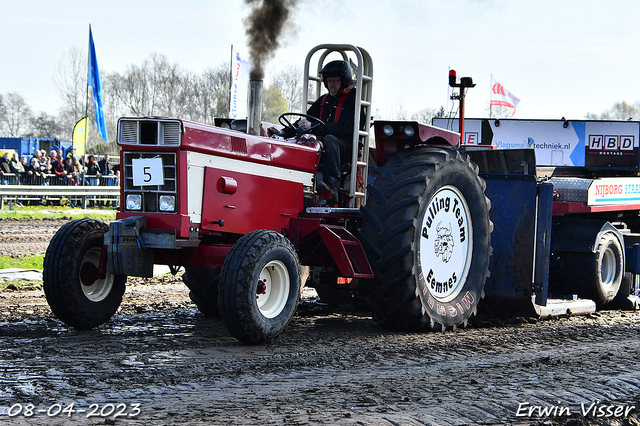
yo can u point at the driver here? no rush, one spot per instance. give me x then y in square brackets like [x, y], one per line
[336, 109]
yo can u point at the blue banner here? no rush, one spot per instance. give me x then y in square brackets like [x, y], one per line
[94, 82]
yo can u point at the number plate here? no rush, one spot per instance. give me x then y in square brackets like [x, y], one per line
[147, 171]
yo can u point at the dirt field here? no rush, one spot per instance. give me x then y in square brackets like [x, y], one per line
[160, 362]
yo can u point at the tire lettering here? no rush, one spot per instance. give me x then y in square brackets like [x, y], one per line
[468, 300]
[442, 311]
[453, 311]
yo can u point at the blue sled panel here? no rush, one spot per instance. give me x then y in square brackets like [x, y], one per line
[513, 213]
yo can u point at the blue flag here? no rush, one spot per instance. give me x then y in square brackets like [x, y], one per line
[94, 82]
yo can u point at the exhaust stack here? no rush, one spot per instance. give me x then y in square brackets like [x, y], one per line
[254, 120]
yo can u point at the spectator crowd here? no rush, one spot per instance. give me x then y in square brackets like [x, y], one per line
[58, 168]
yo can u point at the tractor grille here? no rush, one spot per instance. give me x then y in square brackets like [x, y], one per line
[149, 132]
[150, 195]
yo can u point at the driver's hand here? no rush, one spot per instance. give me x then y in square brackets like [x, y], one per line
[273, 131]
[304, 124]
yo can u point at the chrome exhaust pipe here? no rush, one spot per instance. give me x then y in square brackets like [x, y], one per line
[254, 120]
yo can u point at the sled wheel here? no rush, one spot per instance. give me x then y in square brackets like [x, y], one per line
[596, 276]
[426, 231]
[203, 283]
[76, 296]
[259, 287]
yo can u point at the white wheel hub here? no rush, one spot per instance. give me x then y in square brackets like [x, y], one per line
[99, 289]
[608, 268]
[273, 289]
[446, 244]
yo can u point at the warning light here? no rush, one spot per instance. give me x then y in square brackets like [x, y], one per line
[452, 78]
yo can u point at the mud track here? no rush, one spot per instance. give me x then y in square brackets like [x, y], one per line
[160, 362]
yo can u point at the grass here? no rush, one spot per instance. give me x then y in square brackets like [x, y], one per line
[26, 262]
[21, 285]
[54, 212]
[40, 213]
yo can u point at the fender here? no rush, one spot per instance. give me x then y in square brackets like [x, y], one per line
[578, 234]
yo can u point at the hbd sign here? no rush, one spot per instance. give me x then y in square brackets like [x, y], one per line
[611, 142]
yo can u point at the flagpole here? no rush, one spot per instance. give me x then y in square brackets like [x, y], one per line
[490, 89]
[86, 103]
[230, 79]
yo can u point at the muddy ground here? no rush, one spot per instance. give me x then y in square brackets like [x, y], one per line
[160, 362]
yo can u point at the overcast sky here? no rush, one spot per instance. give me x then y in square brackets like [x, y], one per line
[560, 57]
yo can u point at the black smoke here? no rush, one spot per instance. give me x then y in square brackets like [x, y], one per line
[264, 25]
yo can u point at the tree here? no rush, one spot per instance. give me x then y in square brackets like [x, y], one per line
[44, 125]
[14, 115]
[209, 94]
[619, 111]
[273, 104]
[289, 83]
[624, 111]
[495, 111]
[425, 115]
[71, 81]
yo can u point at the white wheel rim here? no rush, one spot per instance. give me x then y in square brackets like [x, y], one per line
[273, 299]
[100, 288]
[608, 268]
[446, 248]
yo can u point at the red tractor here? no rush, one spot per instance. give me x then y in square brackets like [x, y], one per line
[240, 212]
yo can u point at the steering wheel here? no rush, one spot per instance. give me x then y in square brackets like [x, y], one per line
[316, 124]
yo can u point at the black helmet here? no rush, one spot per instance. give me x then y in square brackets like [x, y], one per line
[340, 69]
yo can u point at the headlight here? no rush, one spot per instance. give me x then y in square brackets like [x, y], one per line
[134, 202]
[388, 129]
[409, 131]
[167, 203]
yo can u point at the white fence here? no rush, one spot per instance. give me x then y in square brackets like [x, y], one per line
[72, 194]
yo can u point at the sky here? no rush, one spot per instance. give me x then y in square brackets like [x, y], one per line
[562, 58]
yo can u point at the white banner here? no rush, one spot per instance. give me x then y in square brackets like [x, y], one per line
[239, 87]
[502, 97]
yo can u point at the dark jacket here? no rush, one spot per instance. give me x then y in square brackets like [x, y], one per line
[33, 170]
[4, 166]
[343, 128]
[92, 169]
[104, 167]
[57, 167]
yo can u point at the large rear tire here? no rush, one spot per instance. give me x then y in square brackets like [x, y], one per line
[427, 234]
[76, 296]
[259, 287]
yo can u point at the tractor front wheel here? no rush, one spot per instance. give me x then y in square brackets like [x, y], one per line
[70, 278]
[259, 287]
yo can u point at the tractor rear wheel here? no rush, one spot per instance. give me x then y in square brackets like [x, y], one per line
[427, 234]
[203, 286]
[74, 292]
[259, 287]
